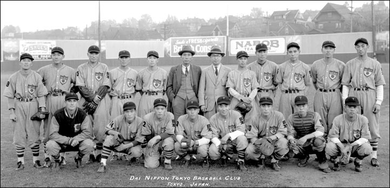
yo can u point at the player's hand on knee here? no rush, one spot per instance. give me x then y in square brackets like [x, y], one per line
[12, 117]
[376, 108]
[74, 143]
[301, 141]
[203, 108]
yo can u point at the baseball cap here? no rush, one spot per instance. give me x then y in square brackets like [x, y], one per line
[57, 49]
[328, 43]
[299, 100]
[266, 100]
[26, 55]
[192, 104]
[351, 101]
[293, 44]
[160, 102]
[223, 100]
[124, 53]
[153, 53]
[128, 106]
[241, 54]
[261, 47]
[361, 40]
[93, 49]
[69, 96]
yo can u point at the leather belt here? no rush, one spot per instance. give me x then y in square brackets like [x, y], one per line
[25, 99]
[57, 92]
[291, 91]
[264, 90]
[326, 90]
[361, 89]
[125, 96]
[153, 92]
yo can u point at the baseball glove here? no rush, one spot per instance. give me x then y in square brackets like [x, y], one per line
[293, 148]
[90, 107]
[120, 138]
[243, 108]
[37, 116]
[345, 155]
[264, 146]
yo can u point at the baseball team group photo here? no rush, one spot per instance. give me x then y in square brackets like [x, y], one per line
[201, 111]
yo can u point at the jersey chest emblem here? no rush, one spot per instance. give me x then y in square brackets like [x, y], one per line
[130, 82]
[247, 82]
[98, 76]
[197, 135]
[367, 71]
[77, 127]
[248, 128]
[333, 75]
[156, 83]
[267, 76]
[63, 79]
[273, 130]
[232, 128]
[298, 77]
[31, 89]
[356, 134]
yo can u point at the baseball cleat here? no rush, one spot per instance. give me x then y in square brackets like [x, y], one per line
[47, 162]
[98, 158]
[91, 159]
[78, 161]
[114, 157]
[358, 165]
[241, 166]
[102, 168]
[19, 165]
[62, 161]
[260, 163]
[168, 166]
[56, 166]
[275, 166]
[37, 164]
[336, 166]
[303, 161]
[374, 162]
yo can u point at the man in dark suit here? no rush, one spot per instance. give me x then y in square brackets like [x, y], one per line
[183, 83]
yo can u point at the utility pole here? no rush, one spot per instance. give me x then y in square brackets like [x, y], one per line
[100, 46]
[373, 29]
[165, 31]
[351, 15]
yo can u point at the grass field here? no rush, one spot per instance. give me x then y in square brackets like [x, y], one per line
[123, 175]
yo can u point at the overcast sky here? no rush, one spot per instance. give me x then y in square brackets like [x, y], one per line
[44, 15]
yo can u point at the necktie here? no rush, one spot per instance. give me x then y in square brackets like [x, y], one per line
[186, 71]
[216, 71]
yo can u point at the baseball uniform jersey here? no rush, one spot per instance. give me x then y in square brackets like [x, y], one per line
[266, 77]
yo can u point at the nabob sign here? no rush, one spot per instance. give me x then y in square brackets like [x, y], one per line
[276, 46]
[201, 45]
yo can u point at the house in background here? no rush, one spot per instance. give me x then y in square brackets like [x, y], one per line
[220, 29]
[332, 18]
[293, 29]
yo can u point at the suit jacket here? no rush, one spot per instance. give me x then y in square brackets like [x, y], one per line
[212, 87]
[174, 81]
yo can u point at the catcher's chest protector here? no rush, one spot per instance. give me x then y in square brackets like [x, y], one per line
[304, 125]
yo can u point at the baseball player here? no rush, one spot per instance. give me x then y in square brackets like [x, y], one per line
[158, 131]
[305, 132]
[123, 135]
[242, 85]
[266, 71]
[151, 82]
[93, 81]
[212, 83]
[193, 134]
[294, 78]
[364, 80]
[327, 74]
[183, 82]
[59, 80]
[123, 80]
[227, 134]
[269, 125]
[349, 136]
[26, 96]
[70, 130]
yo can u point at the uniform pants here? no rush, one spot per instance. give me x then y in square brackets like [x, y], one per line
[112, 143]
[287, 103]
[359, 152]
[53, 103]
[367, 102]
[165, 145]
[309, 148]
[146, 103]
[179, 106]
[117, 106]
[280, 150]
[240, 143]
[328, 105]
[85, 147]
[202, 150]
[25, 131]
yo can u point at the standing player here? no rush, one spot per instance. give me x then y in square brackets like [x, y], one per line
[158, 131]
[26, 96]
[242, 85]
[93, 81]
[123, 80]
[123, 135]
[193, 134]
[59, 80]
[349, 136]
[212, 83]
[269, 125]
[364, 80]
[151, 82]
[183, 82]
[227, 134]
[327, 74]
[266, 72]
[294, 78]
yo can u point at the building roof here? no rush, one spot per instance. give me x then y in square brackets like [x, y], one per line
[341, 9]
[289, 14]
